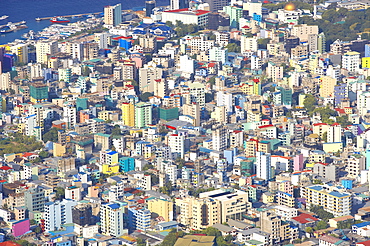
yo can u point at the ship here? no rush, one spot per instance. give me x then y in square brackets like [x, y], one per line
[3, 17]
[59, 20]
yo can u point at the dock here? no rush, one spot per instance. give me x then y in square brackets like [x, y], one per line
[66, 16]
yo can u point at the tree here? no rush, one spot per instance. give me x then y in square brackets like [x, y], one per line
[44, 154]
[321, 225]
[167, 188]
[233, 47]
[309, 229]
[36, 160]
[60, 193]
[343, 120]
[211, 231]
[147, 167]
[323, 215]
[209, 97]
[310, 103]
[262, 43]
[116, 131]
[171, 238]
[140, 242]
[145, 96]
[51, 135]
[37, 230]
[86, 71]
[325, 136]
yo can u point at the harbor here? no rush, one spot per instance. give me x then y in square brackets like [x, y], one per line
[66, 16]
[11, 27]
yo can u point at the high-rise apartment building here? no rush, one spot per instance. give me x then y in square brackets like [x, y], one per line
[178, 4]
[112, 219]
[128, 114]
[113, 15]
[58, 213]
[45, 49]
[143, 114]
[263, 166]
[351, 61]
[330, 198]
[219, 137]
[216, 5]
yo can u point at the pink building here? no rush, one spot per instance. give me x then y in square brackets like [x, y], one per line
[138, 58]
[20, 227]
[298, 162]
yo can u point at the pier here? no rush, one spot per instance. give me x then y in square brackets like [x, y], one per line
[66, 16]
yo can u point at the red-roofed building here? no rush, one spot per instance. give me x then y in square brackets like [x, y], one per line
[5, 168]
[364, 243]
[332, 241]
[9, 243]
[304, 220]
[186, 16]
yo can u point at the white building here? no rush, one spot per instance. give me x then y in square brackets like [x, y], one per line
[218, 54]
[45, 49]
[334, 133]
[177, 144]
[363, 102]
[73, 193]
[351, 61]
[57, 214]
[219, 137]
[263, 166]
[186, 16]
[248, 44]
[186, 64]
[70, 115]
[197, 93]
[285, 212]
[112, 219]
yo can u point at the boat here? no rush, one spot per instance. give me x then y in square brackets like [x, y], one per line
[3, 17]
[38, 19]
[59, 20]
[6, 30]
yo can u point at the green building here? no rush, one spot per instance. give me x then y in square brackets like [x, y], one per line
[235, 14]
[81, 104]
[168, 114]
[39, 92]
[143, 114]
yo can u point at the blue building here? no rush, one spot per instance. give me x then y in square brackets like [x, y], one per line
[138, 218]
[125, 43]
[340, 92]
[367, 50]
[126, 164]
[347, 183]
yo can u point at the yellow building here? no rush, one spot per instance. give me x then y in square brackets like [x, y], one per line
[332, 147]
[320, 129]
[365, 62]
[104, 115]
[128, 114]
[327, 86]
[58, 150]
[267, 197]
[161, 207]
[110, 168]
[233, 204]
[251, 87]
[198, 213]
